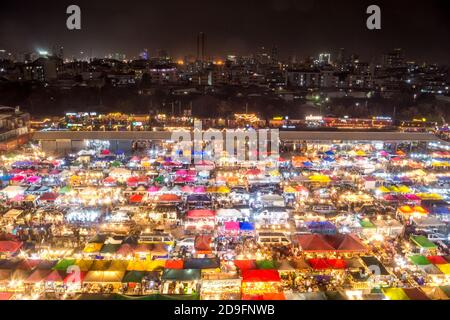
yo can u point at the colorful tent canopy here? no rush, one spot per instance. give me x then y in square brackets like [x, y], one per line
[419, 260]
[201, 213]
[56, 276]
[266, 264]
[7, 246]
[174, 264]
[423, 242]
[319, 264]
[395, 294]
[63, 264]
[445, 268]
[335, 242]
[259, 275]
[245, 264]
[93, 247]
[437, 260]
[181, 275]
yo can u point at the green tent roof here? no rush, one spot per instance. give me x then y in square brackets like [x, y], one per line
[423, 242]
[366, 224]
[419, 260]
[266, 264]
[133, 277]
[63, 264]
[181, 274]
[65, 190]
[110, 248]
[116, 164]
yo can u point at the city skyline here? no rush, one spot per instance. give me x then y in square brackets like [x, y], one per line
[296, 28]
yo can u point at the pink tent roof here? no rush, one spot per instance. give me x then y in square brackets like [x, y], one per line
[190, 179]
[200, 189]
[187, 189]
[153, 189]
[56, 276]
[412, 197]
[181, 173]
[33, 179]
[231, 226]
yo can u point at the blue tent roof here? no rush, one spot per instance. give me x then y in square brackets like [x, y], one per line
[307, 164]
[440, 210]
[329, 153]
[6, 178]
[246, 226]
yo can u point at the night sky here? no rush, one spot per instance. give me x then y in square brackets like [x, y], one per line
[296, 27]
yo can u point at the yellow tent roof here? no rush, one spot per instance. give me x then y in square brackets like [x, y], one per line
[319, 178]
[429, 196]
[445, 268]
[383, 189]
[395, 294]
[93, 247]
[360, 153]
[394, 189]
[146, 265]
[404, 189]
[118, 265]
[84, 265]
[223, 189]
[289, 189]
[275, 173]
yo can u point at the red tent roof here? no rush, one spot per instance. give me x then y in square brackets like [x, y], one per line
[320, 264]
[136, 198]
[169, 198]
[260, 275]
[201, 213]
[437, 260]
[56, 276]
[174, 264]
[245, 264]
[10, 246]
[345, 242]
[337, 242]
[48, 196]
[314, 242]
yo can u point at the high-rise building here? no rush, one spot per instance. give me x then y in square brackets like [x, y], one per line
[394, 59]
[201, 47]
[325, 58]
